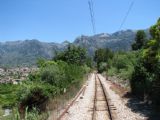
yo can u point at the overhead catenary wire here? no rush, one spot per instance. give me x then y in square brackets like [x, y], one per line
[91, 9]
[125, 17]
[92, 6]
[92, 15]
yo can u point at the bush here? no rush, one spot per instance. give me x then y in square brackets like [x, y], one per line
[146, 78]
[102, 67]
[8, 96]
[138, 79]
[52, 78]
[126, 73]
[48, 82]
[102, 56]
[33, 96]
[112, 71]
[34, 114]
[52, 75]
[72, 55]
[122, 64]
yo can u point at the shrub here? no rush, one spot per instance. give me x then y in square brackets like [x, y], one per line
[72, 55]
[146, 79]
[111, 71]
[122, 64]
[52, 74]
[138, 79]
[102, 67]
[34, 114]
[48, 82]
[8, 96]
[34, 96]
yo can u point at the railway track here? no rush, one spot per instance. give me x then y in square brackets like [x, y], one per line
[102, 108]
[72, 102]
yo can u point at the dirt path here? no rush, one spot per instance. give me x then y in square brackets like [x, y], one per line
[83, 106]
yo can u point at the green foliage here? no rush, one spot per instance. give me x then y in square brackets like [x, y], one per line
[89, 62]
[138, 82]
[102, 67]
[151, 61]
[8, 96]
[118, 63]
[155, 30]
[50, 81]
[33, 95]
[53, 75]
[146, 78]
[34, 114]
[62, 74]
[40, 62]
[122, 64]
[73, 55]
[140, 40]
[101, 56]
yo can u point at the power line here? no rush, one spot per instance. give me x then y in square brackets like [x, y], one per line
[127, 13]
[92, 15]
[91, 9]
[92, 4]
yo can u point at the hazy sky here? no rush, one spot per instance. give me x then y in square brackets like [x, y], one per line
[59, 20]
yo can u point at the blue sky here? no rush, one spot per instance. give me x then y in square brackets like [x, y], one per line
[59, 20]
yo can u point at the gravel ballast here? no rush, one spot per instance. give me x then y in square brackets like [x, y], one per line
[82, 108]
[122, 111]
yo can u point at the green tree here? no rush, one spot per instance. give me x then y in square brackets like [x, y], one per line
[40, 62]
[73, 55]
[89, 62]
[101, 56]
[151, 58]
[140, 40]
[146, 77]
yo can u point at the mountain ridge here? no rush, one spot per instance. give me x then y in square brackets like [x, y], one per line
[26, 52]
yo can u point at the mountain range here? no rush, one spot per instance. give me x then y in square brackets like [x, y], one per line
[26, 52]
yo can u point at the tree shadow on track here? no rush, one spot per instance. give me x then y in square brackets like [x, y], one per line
[138, 106]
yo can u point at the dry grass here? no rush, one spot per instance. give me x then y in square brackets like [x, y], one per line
[121, 91]
[59, 103]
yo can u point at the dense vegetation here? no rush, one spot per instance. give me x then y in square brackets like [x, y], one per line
[140, 40]
[146, 76]
[101, 57]
[117, 63]
[122, 64]
[53, 78]
[25, 52]
[141, 66]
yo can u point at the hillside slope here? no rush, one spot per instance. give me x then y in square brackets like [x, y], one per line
[26, 52]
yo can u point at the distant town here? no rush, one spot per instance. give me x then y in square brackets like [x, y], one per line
[15, 75]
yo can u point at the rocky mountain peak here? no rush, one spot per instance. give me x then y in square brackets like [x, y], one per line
[27, 51]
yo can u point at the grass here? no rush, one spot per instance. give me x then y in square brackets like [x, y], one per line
[1, 111]
[47, 83]
[61, 101]
[9, 117]
[8, 96]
